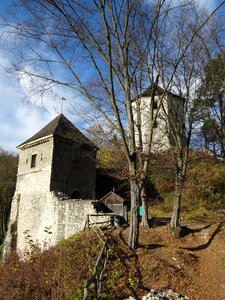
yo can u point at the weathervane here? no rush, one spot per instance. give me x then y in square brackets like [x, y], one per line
[63, 99]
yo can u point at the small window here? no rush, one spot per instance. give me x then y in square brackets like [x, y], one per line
[155, 104]
[26, 161]
[33, 160]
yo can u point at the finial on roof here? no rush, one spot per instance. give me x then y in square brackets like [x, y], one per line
[63, 99]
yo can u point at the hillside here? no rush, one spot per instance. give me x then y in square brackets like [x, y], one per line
[204, 189]
[57, 273]
[193, 265]
[203, 193]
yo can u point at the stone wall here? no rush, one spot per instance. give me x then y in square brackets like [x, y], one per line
[61, 165]
[35, 179]
[47, 219]
[51, 170]
[159, 139]
[72, 215]
[174, 108]
[73, 169]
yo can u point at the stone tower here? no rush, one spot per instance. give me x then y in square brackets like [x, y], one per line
[56, 168]
[58, 158]
[171, 109]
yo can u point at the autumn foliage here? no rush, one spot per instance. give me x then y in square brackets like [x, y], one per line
[58, 273]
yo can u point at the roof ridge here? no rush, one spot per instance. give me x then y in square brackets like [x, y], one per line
[111, 192]
[160, 91]
[63, 127]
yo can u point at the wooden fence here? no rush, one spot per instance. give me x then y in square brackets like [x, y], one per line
[93, 286]
[99, 220]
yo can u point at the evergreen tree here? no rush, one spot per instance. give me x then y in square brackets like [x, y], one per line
[8, 170]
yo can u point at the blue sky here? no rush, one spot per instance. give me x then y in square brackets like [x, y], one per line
[18, 120]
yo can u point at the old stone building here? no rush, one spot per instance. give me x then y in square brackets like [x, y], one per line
[170, 110]
[56, 176]
[58, 158]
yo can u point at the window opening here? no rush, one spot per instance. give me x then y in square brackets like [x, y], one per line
[33, 160]
[155, 104]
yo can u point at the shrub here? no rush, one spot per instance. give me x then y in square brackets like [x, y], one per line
[57, 273]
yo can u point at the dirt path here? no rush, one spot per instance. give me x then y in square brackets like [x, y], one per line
[211, 279]
[193, 265]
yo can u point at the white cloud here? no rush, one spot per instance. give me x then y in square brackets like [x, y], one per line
[57, 100]
[210, 4]
[19, 120]
[207, 4]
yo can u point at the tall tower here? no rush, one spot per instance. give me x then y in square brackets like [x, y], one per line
[170, 109]
[58, 158]
[57, 166]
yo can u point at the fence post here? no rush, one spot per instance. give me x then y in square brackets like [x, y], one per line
[97, 275]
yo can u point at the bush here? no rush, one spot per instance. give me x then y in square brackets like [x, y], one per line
[57, 273]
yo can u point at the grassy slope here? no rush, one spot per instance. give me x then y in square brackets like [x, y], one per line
[191, 265]
[162, 262]
[204, 191]
[58, 273]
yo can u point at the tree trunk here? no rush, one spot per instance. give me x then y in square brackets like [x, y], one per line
[134, 224]
[144, 221]
[1, 224]
[223, 127]
[174, 223]
[4, 225]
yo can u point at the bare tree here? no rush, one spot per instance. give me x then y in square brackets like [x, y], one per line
[103, 50]
[181, 111]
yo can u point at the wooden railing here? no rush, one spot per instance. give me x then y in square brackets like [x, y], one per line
[101, 220]
[93, 286]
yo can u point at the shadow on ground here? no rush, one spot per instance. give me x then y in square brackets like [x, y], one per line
[211, 238]
[155, 222]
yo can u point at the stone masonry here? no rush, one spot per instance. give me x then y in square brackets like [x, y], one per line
[56, 176]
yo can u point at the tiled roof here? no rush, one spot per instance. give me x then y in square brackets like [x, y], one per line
[158, 91]
[61, 126]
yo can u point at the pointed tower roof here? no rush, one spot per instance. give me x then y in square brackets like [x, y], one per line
[159, 91]
[61, 126]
